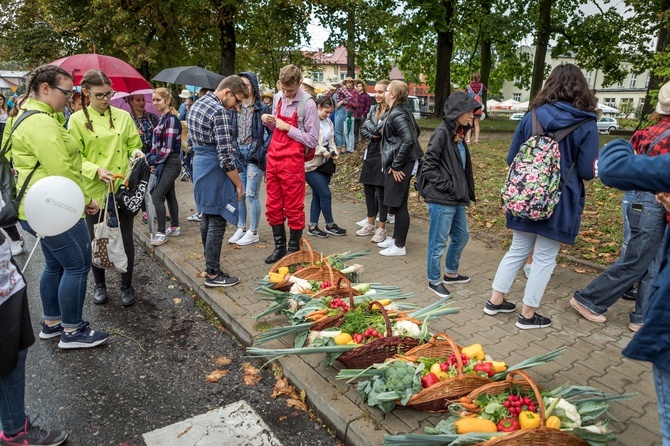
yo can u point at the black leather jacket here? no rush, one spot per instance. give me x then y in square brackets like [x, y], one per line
[400, 143]
[446, 182]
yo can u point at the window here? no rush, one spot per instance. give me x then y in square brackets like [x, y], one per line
[619, 84]
[588, 78]
[633, 80]
[640, 102]
[317, 76]
[646, 83]
[343, 75]
[627, 101]
[517, 97]
[610, 102]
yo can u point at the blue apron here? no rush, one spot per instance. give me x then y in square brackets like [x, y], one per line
[214, 192]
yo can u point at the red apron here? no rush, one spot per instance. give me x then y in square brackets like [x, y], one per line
[285, 177]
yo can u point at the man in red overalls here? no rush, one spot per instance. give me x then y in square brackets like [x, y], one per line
[285, 172]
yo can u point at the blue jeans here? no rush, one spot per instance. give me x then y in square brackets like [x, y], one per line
[625, 201]
[321, 198]
[67, 261]
[12, 398]
[340, 115]
[647, 227]
[251, 177]
[445, 221]
[212, 229]
[662, 385]
[544, 262]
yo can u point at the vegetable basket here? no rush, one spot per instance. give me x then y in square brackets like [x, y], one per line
[436, 398]
[305, 255]
[337, 290]
[541, 435]
[338, 319]
[321, 272]
[434, 348]
[380, 349]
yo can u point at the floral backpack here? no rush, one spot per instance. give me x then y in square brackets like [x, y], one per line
[533, 185]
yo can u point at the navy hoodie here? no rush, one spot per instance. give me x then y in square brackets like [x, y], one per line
[581, 148]
[260, 134]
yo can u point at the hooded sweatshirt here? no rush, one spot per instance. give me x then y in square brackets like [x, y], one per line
[579, 147]
[260, 134]
[446, 181]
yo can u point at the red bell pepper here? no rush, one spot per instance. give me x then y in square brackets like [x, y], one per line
[429, 380]
[508, 425]
[485, 367]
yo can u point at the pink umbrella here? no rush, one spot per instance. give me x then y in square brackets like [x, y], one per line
[124, 77]
[120, 100]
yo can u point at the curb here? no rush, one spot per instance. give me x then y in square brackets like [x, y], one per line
[352, 426]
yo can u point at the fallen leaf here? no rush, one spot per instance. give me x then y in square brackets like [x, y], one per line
[292, 402]
[237, 247]
[581, 271]
[222, 361]
[282, 387]
[216, 375]
[181, 434]
[201, 274]
[282, 418]
[171, 287]
[489, 224]
[194, 256]
[260, 246]
[251, 375]
[176, 300]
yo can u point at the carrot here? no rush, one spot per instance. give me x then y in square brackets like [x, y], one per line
[317, 312]
[411, 319]
[465, 399]
[318, 318]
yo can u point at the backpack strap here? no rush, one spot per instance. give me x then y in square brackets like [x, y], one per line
[19, 120]
[301, 109]
[657, 140]
[563, 133]
[537, 127]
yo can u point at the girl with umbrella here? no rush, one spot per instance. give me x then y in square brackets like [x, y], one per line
[108, 140]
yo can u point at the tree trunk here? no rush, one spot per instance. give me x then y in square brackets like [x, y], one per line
[543, 35]
[351, 43]
[227, 38]
[485, 70]
[445, 51]
[655, 81]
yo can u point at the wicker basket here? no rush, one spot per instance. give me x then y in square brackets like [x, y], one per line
[338, 319]
[337, 290]
[305, 255]
[436, 398]
[527, 437]
[320, 273]
[437, 347]
[378, 350]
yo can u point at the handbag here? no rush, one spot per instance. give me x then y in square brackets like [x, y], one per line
[9, 214]
[107, 244]
[131, 195]
[328, 167]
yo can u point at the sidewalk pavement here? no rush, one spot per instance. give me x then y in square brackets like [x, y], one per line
[593, 356]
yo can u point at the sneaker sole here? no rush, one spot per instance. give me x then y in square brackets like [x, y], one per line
[318, 235]
[215, 285]
[72, 345]
[367, 234]
[494, 312]
[247, 243]
[448, 282]
[43, 335]
[530, 327]
[586, 314]
[158, 243]
[439, 294]
[332, 233]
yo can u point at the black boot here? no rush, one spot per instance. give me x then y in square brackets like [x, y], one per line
[279, 236]
[294, 240]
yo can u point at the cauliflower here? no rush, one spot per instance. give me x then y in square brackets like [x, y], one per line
[568, 414]
[406, 328]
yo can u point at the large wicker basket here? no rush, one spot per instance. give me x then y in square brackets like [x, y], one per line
[305, 255]
[527, 437]
[378, 350]
[338, 319]
[320, 273]
[436, 347]
[436, 398]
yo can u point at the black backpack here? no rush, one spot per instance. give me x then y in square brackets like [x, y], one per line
[131, 194]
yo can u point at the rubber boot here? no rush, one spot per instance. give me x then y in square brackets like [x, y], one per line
[294, 240]
[279, 236]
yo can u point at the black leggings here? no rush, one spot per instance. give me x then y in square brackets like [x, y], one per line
[13, 233]
[126, 224]
[401, 227]
[165, 190]
[374, 201]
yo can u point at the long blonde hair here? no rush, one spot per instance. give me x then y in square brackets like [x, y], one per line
[169, 100]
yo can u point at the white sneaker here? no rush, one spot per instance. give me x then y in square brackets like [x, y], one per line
[380, 235]
[366, 231]
[237, 236]
[389, 219]
[393, 251]
[17, 247]
[248, 238]
[386, 243]
[363, 223]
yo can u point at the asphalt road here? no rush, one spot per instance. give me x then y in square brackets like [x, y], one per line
[151, 372]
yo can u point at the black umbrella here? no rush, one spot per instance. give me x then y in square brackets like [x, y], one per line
[190, 76]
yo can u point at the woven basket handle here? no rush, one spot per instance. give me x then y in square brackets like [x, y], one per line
[330, 272]
[389, 332]
[305, 243]
[457, 352]
[536, 390]
[436, 337]
[349, 290]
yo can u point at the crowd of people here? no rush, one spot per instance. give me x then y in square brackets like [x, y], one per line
[238, 136]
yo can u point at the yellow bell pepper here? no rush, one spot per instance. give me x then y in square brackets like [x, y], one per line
[529, 420]
[343, 339]
[553, 422]
[283, 270]
[384, 303]
[499, 366]
[474, 351]
[275, 277]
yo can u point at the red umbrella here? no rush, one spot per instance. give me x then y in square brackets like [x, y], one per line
[124, 77]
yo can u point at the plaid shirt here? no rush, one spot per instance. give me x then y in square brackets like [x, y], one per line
[209, 124]
[167, 137]
[145, 126]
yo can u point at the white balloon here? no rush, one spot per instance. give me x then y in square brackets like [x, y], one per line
[53, 205]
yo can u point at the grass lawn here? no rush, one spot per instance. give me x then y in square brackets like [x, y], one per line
[599, 240]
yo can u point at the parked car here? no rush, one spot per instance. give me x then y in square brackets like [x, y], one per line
[516, 116]
[607, 124]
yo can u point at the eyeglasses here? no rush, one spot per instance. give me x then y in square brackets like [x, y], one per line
[101, 96]
[238, 101]
[68, 94]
